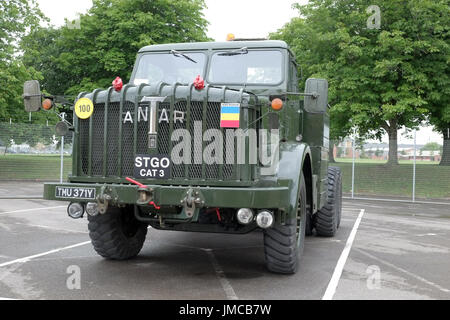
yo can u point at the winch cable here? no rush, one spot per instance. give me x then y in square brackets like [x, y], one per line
[136, 183]
[216, 211]
[154, 205]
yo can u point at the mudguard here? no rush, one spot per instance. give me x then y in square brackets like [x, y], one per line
[292, 159]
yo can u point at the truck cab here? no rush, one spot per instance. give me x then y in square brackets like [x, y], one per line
[205, 137]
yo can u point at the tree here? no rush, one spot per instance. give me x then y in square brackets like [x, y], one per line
[431, 146]
[445, 161]
[378, 152]
[302, 36]
[376, 76]
[41, 49]
[440, 110]
[12, 76]
[17, 17]
[435, 20]
[110, 35]
[360, 146]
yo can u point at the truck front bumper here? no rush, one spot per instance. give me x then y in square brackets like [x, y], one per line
[216, 197]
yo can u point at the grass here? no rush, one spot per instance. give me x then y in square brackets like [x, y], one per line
[371, 177]
[377, 178]
[33, 167]
[349, 160]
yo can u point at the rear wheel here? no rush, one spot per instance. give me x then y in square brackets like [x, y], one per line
[328, 219]
[284, 244]
[117, 234]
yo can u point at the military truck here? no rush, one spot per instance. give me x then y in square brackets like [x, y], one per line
[194, 102]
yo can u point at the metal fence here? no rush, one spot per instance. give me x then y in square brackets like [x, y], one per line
[32, 152]
[418, 176]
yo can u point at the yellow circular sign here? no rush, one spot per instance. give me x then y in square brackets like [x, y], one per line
[84, 108]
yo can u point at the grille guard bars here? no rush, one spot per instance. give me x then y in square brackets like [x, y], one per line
[104, 145]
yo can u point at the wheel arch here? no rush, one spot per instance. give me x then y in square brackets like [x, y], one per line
[295, 159]
[308, 174]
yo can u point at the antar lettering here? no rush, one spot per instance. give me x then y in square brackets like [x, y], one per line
[164, 116]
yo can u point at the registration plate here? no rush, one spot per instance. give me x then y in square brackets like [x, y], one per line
[75, 193]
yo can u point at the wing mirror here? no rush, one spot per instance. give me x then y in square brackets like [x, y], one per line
[316, 95]
[32, 96]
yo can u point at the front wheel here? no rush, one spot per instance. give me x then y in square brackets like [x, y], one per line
[284, 244]
[117, 234]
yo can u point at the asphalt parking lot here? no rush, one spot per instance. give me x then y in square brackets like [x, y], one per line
[394, 251]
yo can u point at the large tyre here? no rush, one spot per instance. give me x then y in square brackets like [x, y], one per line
[328, 219]
[284, 244]
[117, 234]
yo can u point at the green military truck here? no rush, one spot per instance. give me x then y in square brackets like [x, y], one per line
[206, 137]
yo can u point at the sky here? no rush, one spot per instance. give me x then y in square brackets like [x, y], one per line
[243, 18]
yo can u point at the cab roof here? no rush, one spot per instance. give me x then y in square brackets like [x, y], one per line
[216, 45]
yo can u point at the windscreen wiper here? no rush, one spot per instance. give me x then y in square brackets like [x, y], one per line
[234, 52]
[179, 54]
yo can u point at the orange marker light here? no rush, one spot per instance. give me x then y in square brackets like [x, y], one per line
[47, 104]
[230, 37]
[277, 104]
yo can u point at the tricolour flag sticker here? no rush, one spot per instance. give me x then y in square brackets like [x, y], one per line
[230, 115]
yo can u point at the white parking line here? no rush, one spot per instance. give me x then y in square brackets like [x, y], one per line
[50, 228]
[229, 291]
[397, 200]
[413, 275]
[26, 259]
[28, 210]
[332, 286]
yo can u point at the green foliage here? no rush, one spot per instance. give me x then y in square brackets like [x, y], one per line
[431, 146]
[112, 31]
[40, 51]
[378, 153]
[16, 18]
[380, 79]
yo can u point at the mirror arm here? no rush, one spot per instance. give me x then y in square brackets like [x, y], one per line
[313, 95]
[59, 99]
[64, 100]
[29, 96]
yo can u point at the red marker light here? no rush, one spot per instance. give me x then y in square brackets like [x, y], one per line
[117, 84]
[199, 83]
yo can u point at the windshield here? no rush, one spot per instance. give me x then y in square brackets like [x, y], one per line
[169, 67]
[246, 67]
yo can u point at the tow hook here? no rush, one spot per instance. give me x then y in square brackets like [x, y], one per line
[145, 194]
[103, 205]
[191, 202]
[104, 198]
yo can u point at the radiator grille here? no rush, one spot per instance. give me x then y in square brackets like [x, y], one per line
[100, 158]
